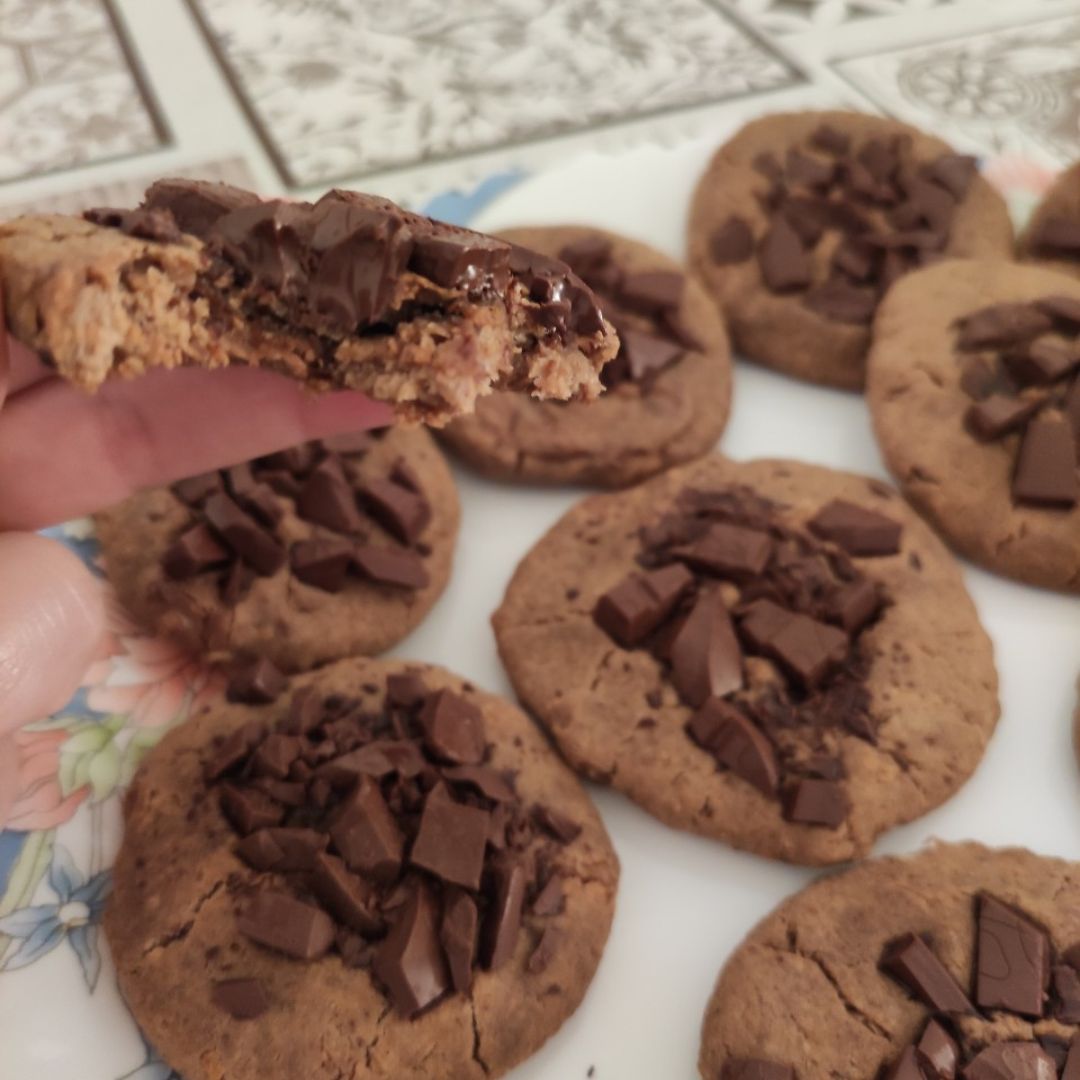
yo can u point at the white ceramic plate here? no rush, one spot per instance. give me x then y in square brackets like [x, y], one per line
[684, 903]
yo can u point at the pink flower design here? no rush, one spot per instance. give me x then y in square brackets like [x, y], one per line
[30, 796]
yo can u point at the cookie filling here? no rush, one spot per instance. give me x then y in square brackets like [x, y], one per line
[364, 527]
[385, 835]
[644, 307]
[870, 211]
[1016, 1019]
[757, 624]
[1021, 368]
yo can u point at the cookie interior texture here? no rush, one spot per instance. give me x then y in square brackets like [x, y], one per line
[961, 955]
[668, 389]
[635, 652]
[314, 905]
[1052, 235]
[953, 423]
[352, 563]
[803, 220]
[350, 291]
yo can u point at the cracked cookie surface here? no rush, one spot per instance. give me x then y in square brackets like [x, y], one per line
[172, 921]
[925, 677]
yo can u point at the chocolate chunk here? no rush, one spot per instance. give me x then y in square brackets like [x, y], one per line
[249, 810]
[736, 744]
[260, 850]
[546, 948]
[953, 172]
[237, 582]
[908, 1066]
[940, 1050]
[830, 140]
[1013, 961]
[321, 563]
[1057, 237]
[635, 607]
[556, 825]
[298, 460]
[808, 215]
[305, 712]
[347, 897]
[158, 225]
[195, 490]
[393, 566]
[909, 960]
[276, 754]
[652, 291]
[366, 835]
[403, 513]
[978, 378]
[255, 682]
[196, 205]
[410, 961]
[242, 999]
[843, 302]
[287, 925]
[807, 170]
[1071, 1071]
[1056, 1047]
[281, 849]
[1042, 361]
[1011, 1061]
[856, 258]
[234, 749]
[640, 357]
[263, 503]
[405, 691]
[854, 605]
[998, 415]
[732, 242]
[1066, 994]
[706, 660]
[1000, 325]
[457, 932]
[807, 649]
[678, 328]
[858, 531]
[461, 260]
[327, 498]
[1046, 468]
[283, 791]
[551, 899]
[729, 550]
[1062, 309]
[785, 264]
[761, 621]
[451, 839]
[503, 920]
[382, 757]
[244, 535]
[756, 1069]
[453, 728]
[193, 552]
[545, 279]
[816, 802]
[485, 780]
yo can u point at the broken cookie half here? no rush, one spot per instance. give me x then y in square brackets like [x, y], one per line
[350, 291]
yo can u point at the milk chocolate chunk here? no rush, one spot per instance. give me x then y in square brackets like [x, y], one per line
[756, 1069]
[396, 567]
[402, 512]
[816, 802]
[234, 749]
[1046, 468]
[238, 580]
[911, 961]
[410, 961]
[249, 810]
[940, 1050]
[193, 552]
[643, 355]
[321, 563]
[999, 415]
[785, 263]
[457, 932]
[461, 261]
[242, 999]
[451, 839]
[366, 835]
[857, 530]
[807, 170]
[729, 550]
[1013, 961]
[736, 744]
[1002, 325]
[485, 780]
[347, 897]
[761, 621]
[651, 291]
[282, 848]
[908, 1066]
[195, 490]
[706, 660]
[1011, 1061]
[1042, 361]
[1066, 981]
[287, 925]
[255, 682]
[502, 923]
[1071, 1070]
[808, 649]
[635, 607]
[244, 534]
[556, 825]
[732, 242]
[275, 756]
[327, 498]
[855, 605]
[453, 728]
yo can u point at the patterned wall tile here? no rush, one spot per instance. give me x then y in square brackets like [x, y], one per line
[351, 87]
[791, 16]
[70, 91]
[1011, 90]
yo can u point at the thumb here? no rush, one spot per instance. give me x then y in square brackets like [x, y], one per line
[51, 623]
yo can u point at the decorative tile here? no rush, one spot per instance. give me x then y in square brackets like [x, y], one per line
[1013, 90]
[339, 88]
[70, 90]
[791, 16]
[128, 191]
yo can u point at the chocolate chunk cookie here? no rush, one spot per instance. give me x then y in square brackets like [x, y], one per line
[1052, 235]
[960, 961]
[330, 549]
[804, 220]
[349, 291]
[668, 389]
[974, 386]
[384, 872]
[776, 655]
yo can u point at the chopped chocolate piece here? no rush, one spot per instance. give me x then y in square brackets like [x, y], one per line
[732, 242]
[347, 897]
[405, 691]
[856, 258]
[242, 999]
[287, 925]
[998, 415]
[1014, 961]
[978, 379]
[403, 513]
[556, 825]
[857, 530]
[940, 1050]
[457, 932]
[540, 958]
[1071, 1070]
[460, 260]
[643, 355]
[379, 758]
[281, 849]
[635, 607]
[1066, 994]
[1062, 309]
[908, 1066]
[550, 900]
[299, 459]
[321, 563]
[410, 961]
[196, 205]
[785, 264]
[736, 744]
[911, 961]
[483, 779]
[503, 921]
[237, 582]
[1002, 325]
[260, 850]
[729, 550]
[194, 552]
[808, 649]
[282, 791]
[234, 749]
[761, 621]
[855, 605]
[275, 755]
[816, 802]
[680, 330]
[1057, 1048]
[305, 712]
[1058, 237]
[1042, 361]
[327, 498]
[831, 140]
[366, 835]
[453, 728]
[808, 215]
[706, 660]
[756, 1069]
[954, 172]
[396, 567]
[255, 682]
[807, 170]
[195, 490]
[841, 301]
[1046, 468]
[1011, 1061]
[263, 502]
[824, 768]
[651, 291]
[244, 534]
[249, 810]
[451, 839]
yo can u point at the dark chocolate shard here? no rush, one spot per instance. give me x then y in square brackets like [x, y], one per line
[451, 839]
[410, 962]
[1001, 325]
[1066, 981]
[1042, 361]
[998, 415]
[912, 962]
[651, 291]
[489, 783]
[396, 567]
[823, 803]
[841, 301]
[1046, 468]
[194, 552]
[453, 728]
[327, 498]
[321, 563]
[729, 550]
[402, 512]
[737, 744]
[287, 925]
[458, 934]
[255, 681]
[366, 834]
[940, 1050]
[556, 825]
[546, 948]
[858, 531]
[706, 660]
[785, 263]
[635, 607]
[855, 605]
[248, 809]
[1013, 970]
[253, 543]
[502, 924]
[1011, 1061]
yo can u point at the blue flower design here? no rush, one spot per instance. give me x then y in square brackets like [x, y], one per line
[75, 916]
